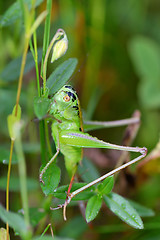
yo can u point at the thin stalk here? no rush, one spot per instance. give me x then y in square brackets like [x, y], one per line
[46, 32]
[8, 180]
[47, 138]
[23, 182]
[45, 46]
[36, 61]
[21, 72]
[12, 142]
[58, 34]
[116, 123]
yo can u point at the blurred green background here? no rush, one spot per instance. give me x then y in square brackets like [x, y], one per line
[117, 44]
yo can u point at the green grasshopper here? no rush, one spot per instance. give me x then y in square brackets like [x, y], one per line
[70, 139]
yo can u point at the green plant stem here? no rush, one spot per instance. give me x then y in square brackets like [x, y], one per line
[36, 62]
[46, 33]
[8, 179]
[45, 46]
[47, 138]
[21, 72]
[58, 34]
[45, 63]
[23, 182]
[12, 142]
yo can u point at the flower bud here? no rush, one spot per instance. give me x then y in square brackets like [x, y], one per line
[61, 45]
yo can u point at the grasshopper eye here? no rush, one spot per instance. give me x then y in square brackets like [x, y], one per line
[66, 98]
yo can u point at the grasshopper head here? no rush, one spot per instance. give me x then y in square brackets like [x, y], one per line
[65, 104]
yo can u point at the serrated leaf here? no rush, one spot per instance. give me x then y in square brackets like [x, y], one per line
[93, 206]
[106, 186]
[12, 70]
[61, 75]
[145, 54]
[14, 220]
[14, 185]
[41, 106]
[14, 12]
[51, 178]
[123, 209]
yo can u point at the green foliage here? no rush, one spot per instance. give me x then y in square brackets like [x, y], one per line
[15, 221]
[93, 206]
[41, 106]
[61, 75]
[100, 43]
[4, 156]
[121, 207]
[145, 54]
[14, 186]
[51, 179]
[60, 192]
[141, 210]
[14, 12]
[106, 186]
[12, 70]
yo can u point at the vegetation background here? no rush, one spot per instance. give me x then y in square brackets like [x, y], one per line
[117, 44]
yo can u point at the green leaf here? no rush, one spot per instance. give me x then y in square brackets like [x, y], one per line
[61, 192]
[122, 208]
[93, 206]
[73, 228]
[12, 70]
[14, 220]
[14, 185]
[61, 75]
[88, 171]
[145, 54]
[41, 106]
[36, 215]
[37, 22]
[142, 211]
[149, 94]
[51, 179]
[14, 12]
[4, 156]
[106, 186]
